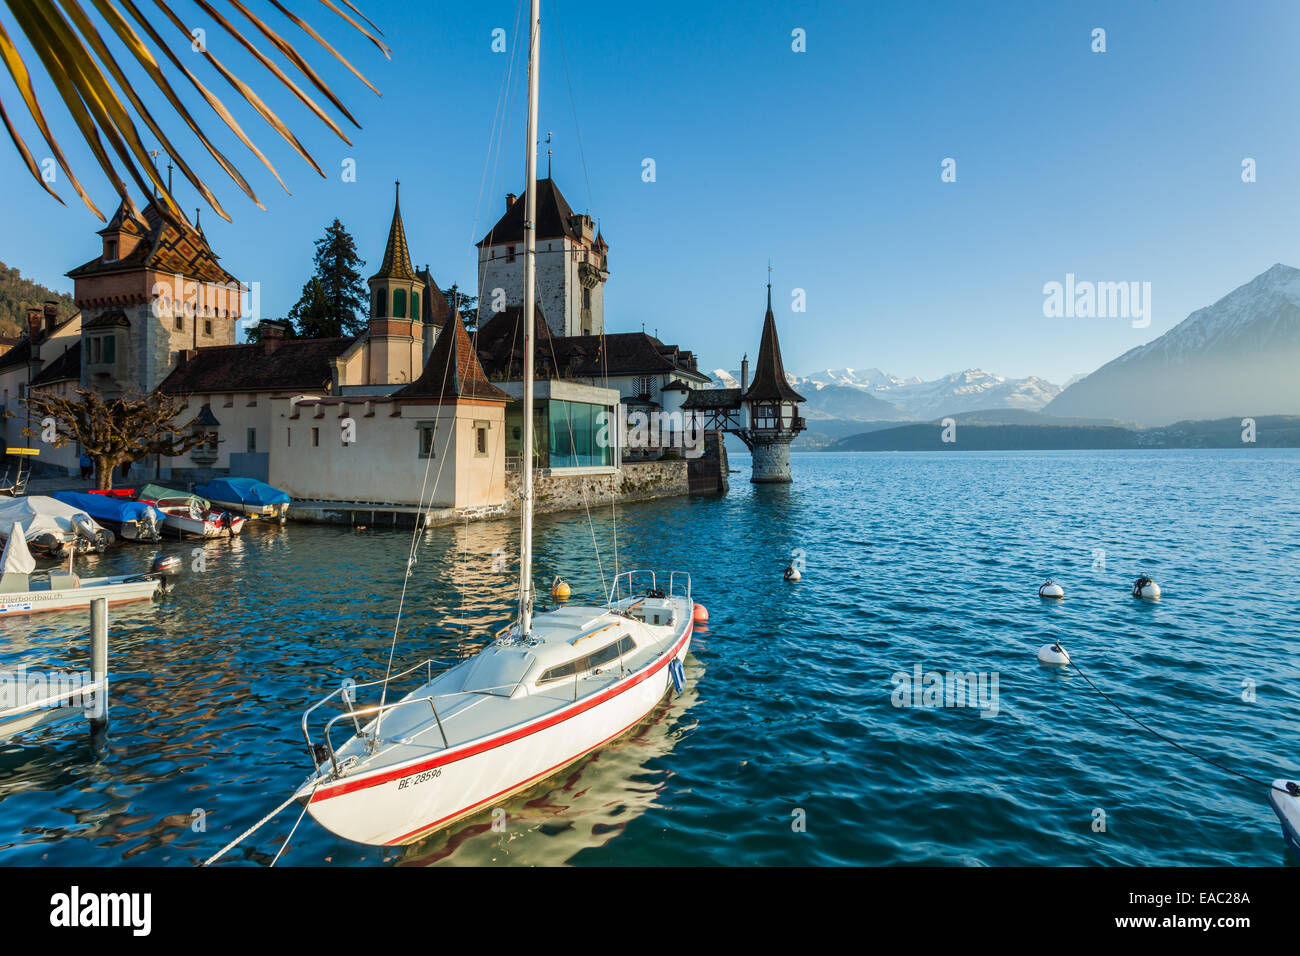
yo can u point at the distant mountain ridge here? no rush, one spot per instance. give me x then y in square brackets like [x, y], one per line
[871, 394]
[1238, 357]
[1272, 431]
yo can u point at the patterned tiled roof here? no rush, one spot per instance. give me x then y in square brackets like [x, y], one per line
[397, 257]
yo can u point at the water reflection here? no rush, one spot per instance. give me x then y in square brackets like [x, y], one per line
[583, 808]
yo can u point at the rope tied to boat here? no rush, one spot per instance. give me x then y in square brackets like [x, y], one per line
[1292, 789]
[261, 823]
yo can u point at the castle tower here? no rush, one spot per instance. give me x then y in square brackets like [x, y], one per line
[155, 291]
[770, 409]
[396, 330]
[572, 264]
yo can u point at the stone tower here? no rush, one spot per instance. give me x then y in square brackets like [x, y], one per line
[770, 409]
[396, 326]
[572, 264]
[154, 292]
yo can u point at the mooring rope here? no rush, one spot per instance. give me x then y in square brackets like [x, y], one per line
[1169, 740]
[249, 832]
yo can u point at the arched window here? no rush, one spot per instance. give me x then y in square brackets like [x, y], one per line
[399, 303]
[381, 303]
[415, 305]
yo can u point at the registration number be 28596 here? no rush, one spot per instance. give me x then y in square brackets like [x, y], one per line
[419, 778]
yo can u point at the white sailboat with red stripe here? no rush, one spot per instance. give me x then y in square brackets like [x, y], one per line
[550, 689]
[521, 710]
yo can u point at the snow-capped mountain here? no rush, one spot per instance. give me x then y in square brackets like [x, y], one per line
[873, 395]
[724, 379]
[1239, 356]
[967, 391]
[860, 377]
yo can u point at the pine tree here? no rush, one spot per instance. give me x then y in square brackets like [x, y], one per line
[337, 265]
[313, 316]
[466, 304]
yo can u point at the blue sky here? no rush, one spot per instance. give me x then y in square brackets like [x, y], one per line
[1115, 166]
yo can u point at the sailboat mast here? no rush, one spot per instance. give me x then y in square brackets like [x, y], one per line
[530, 298]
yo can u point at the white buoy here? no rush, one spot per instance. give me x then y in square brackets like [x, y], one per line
[1050, 590]
[1053, 655]
[792, 574]
[1146, 589]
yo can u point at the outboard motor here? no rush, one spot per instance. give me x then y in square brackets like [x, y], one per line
[97, 538]
[166, 566]
[227, 522]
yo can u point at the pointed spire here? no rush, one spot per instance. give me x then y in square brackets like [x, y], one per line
[397, 257]
[770, 383]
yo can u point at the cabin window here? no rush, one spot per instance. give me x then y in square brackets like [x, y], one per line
[610, 652]
[427, 430]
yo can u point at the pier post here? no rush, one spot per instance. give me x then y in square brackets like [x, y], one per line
[99, 662]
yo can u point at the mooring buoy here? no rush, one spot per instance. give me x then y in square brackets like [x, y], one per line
[792, 573]
[1053, 655]
[1051, 590]
[1146, 589]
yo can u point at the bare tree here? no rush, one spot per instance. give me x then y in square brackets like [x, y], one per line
[117, 430]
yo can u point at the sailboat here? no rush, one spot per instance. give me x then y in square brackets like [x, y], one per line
[552, 687]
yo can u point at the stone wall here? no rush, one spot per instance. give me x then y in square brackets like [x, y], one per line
[638, 481]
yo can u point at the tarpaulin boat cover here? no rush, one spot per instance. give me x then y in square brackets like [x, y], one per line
[246, 491]
[152, 492]
[104, 508]
[17, 559]
[41, 515]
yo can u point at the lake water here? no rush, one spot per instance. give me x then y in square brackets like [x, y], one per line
[788, 746]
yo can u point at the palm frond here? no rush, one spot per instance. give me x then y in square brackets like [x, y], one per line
[99, 97]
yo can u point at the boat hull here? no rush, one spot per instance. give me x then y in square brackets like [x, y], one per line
[259, 511]
[202, 527]
[403, 804]
[118, 591]
[1287, 808]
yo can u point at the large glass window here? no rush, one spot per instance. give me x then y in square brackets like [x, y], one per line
[575, 431]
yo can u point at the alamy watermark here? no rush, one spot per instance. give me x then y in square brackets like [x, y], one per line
[933, 689]
[1083, 299]
[74, 690]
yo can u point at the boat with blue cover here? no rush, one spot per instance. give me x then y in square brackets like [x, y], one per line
[245, 495]
[133, 520]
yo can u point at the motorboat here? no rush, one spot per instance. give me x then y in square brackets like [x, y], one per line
[129, 519]
[245, 496]
[51, 526]
[24, 591]
[186, 513]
